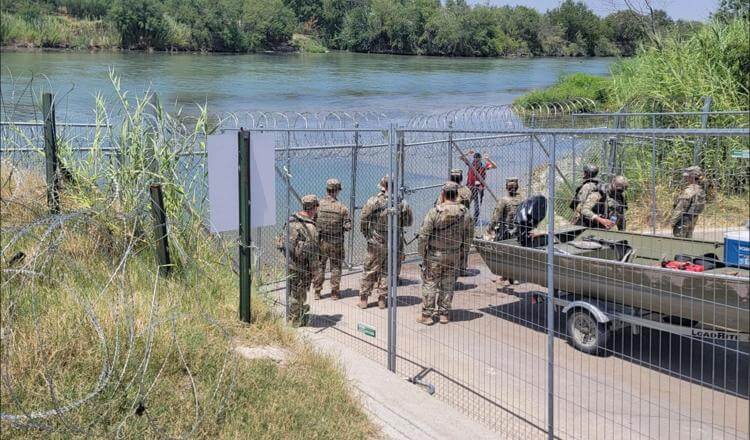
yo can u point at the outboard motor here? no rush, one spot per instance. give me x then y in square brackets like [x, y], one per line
[530, 213]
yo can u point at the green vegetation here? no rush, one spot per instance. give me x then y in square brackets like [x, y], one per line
[97, 339]
[425, 27]
[57, 31]
[674, 76]
[580, 89]
[714, 62]
[305, 44]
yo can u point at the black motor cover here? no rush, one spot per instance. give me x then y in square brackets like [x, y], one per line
[531, 212]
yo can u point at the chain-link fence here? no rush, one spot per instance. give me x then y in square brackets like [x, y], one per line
[560, 328]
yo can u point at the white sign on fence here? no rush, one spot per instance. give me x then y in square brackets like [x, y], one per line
[223, 180]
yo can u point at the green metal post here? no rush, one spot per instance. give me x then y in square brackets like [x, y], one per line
[243, 145]
[50, 154]
[160, 229]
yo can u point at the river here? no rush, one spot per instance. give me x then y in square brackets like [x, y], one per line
[296, 82]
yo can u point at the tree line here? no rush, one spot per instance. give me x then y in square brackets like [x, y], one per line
[424, 27]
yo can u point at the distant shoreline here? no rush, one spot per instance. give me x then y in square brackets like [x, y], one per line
[52, 49]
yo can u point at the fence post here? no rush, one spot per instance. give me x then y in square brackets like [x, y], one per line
[353, 192]
[287, 252]
[450, 147]
[152, 117]
[698, 146]
[160, 229]
[653, 177]
[394, 215]
[50, 154]
[551, 291]
[243, 145]
[531, 157]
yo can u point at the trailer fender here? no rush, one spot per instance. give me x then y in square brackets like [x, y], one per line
[595, 311]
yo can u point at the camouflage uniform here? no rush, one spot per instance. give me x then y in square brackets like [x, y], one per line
[582, 194]
[501, 223]
[688, 206]
[594, 206]
[333, 220]
[441, 236]
[617, 204]
[374, 226]
[303, 258]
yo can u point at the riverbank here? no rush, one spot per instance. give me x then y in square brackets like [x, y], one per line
[387, 26]
[674, 76]
[99, 341]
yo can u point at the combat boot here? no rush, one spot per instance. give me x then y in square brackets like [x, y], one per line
[444, 318]
[362, 301]
[381, 302]
[425, 318]
[335, 295]
[316, 295]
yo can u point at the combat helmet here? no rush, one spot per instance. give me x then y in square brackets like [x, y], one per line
[333, 185]
[309, 202]
[450, 190]
[620, 183]
[693, 171]
[590, 171]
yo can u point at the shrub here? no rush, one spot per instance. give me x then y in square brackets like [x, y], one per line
[141, 23]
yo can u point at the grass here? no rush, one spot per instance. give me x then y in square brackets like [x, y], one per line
[674, 77]
[307, 44]
[584, 90]
[97, 343]
[57, 31]
[714, 62]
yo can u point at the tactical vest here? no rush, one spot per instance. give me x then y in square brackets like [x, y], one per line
[576, 197]
[511, 207]
[600, 209]
[448, 233]
[305, 247]
[330, 221]
[379, 217]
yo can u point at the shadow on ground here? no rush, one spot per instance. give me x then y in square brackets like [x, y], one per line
[723, 368]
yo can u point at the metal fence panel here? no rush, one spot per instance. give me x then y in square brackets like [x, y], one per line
[513, 355]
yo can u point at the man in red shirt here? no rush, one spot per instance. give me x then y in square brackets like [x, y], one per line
[477, 178]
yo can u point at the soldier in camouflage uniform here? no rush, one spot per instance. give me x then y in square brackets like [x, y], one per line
[689, 205]
[303, 257]
[332, 222]
[590, 184]
[593, 210]
[616, 202]
[464, 197]
[374, 226]
[501, 225]
[441, 236]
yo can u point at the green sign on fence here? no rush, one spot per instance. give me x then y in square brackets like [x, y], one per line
[366, 330]
[741, 154]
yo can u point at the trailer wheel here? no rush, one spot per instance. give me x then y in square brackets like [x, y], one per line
[586, 334]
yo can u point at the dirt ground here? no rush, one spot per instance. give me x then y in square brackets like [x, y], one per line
[491, 362]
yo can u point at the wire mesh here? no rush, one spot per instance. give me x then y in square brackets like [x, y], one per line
[656, 376]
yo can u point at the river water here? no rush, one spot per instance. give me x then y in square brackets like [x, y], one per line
[320, 82]
[297, 82]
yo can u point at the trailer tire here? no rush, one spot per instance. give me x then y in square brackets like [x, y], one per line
[585, 333]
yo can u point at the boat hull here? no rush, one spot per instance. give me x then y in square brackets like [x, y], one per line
[709, 298]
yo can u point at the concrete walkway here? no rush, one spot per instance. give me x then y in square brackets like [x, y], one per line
[402, 410]
[490, 363]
